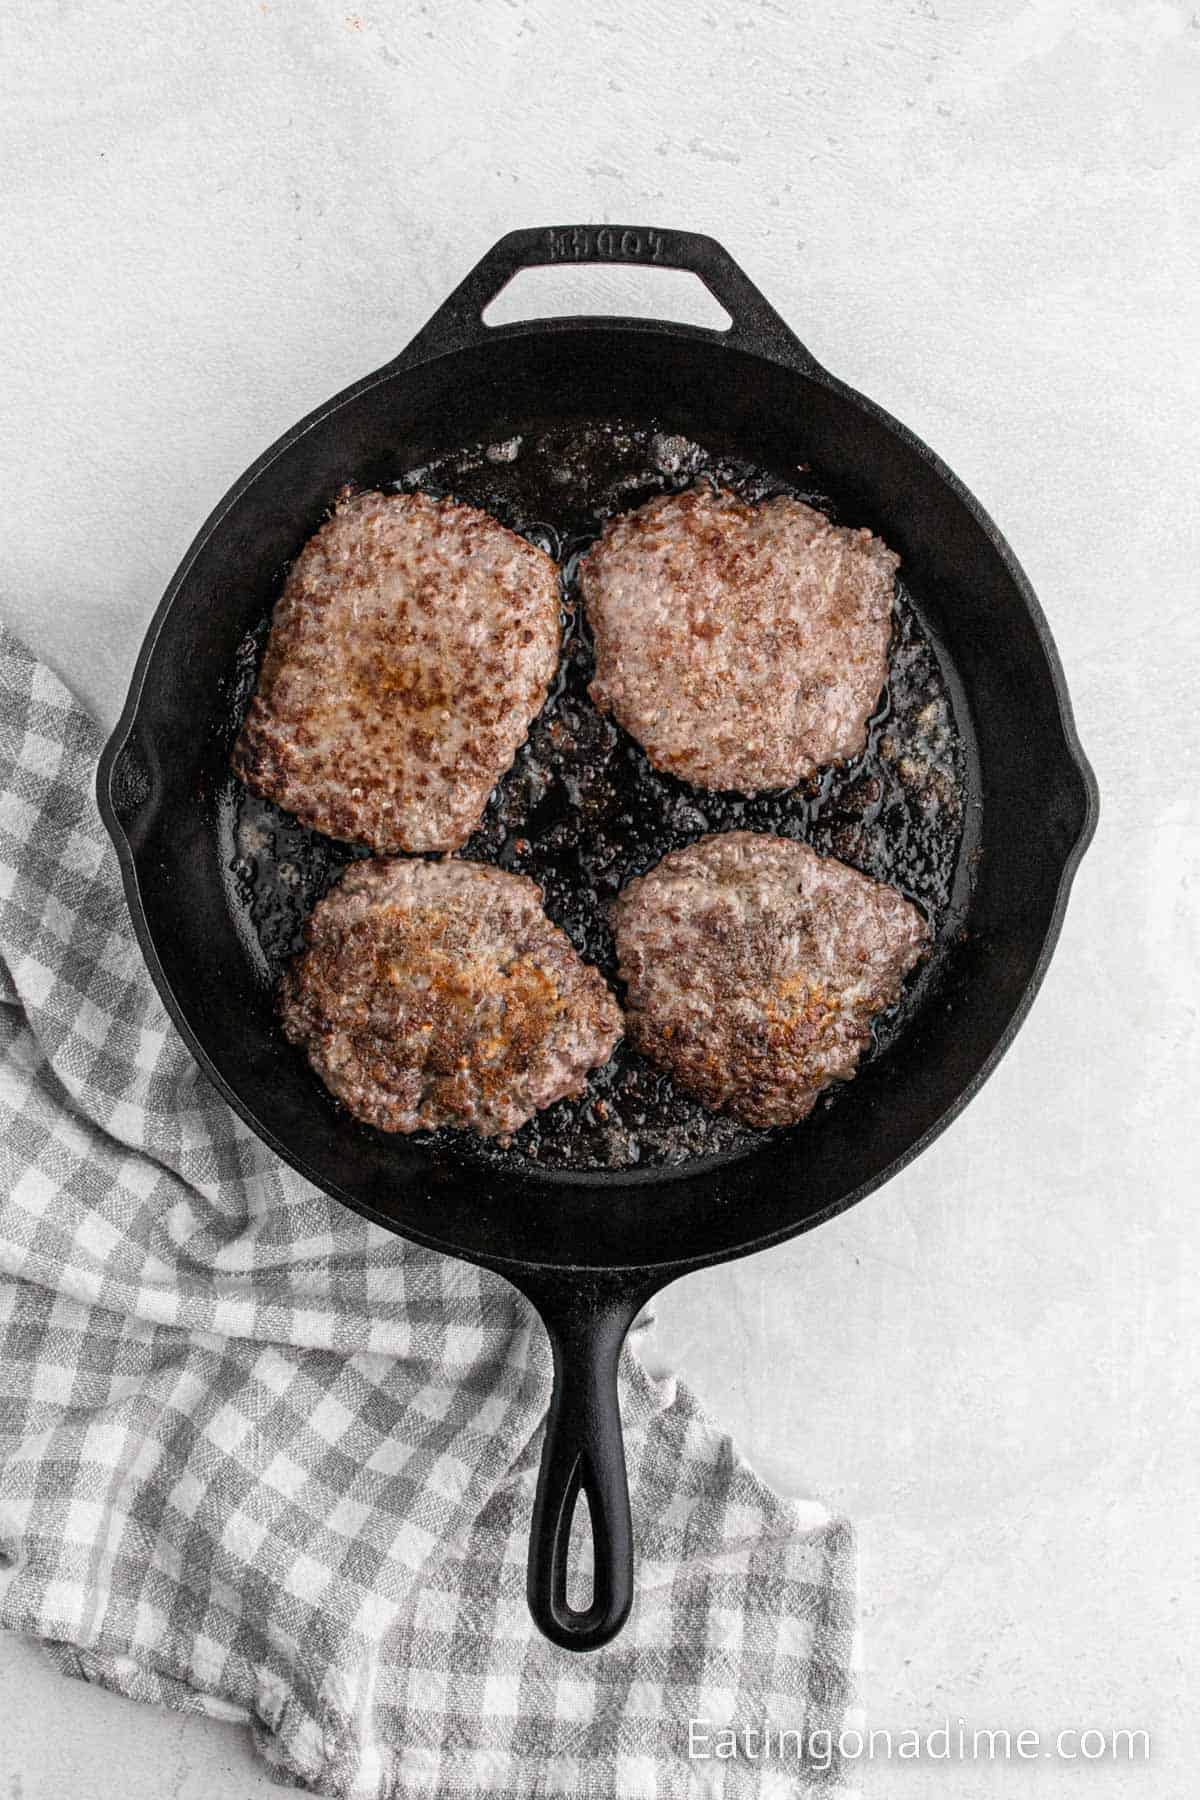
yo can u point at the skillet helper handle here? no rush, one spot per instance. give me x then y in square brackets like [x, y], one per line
[583, 1454]
[756, 326]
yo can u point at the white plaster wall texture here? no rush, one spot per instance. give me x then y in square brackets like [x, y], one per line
[982, 212]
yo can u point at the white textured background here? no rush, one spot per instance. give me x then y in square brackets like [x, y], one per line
[985, 214]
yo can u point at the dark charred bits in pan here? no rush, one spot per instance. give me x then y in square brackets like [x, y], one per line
[582, 811]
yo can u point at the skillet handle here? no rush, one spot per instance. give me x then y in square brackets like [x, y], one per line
[583, 1454]
[756, 326]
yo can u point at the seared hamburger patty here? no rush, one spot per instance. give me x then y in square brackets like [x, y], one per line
[439, 993]
[753, 968]
[743, 646]
[414, 641]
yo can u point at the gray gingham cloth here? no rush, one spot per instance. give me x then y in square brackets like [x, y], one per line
[262, 1460]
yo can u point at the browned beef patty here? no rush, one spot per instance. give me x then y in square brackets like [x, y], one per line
[439, 993]
[414, 641]
[743, 646]
[753, 968]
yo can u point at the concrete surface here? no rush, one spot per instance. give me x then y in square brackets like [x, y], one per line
[982, 212]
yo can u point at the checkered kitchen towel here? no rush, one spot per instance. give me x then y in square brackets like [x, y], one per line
[261, 1459]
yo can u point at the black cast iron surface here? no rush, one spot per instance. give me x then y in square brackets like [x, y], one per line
[215, 896]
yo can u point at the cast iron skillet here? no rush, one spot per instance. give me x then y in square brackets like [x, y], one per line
[589, 1248]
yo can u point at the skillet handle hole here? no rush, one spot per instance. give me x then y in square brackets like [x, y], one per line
[581, 1556]
[622, 291]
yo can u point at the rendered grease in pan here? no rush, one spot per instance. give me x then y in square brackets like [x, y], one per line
[581, 810]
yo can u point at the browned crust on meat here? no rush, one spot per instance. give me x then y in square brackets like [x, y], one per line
[743, 646]
[439, 993]
[414, 642]
[753, 968]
